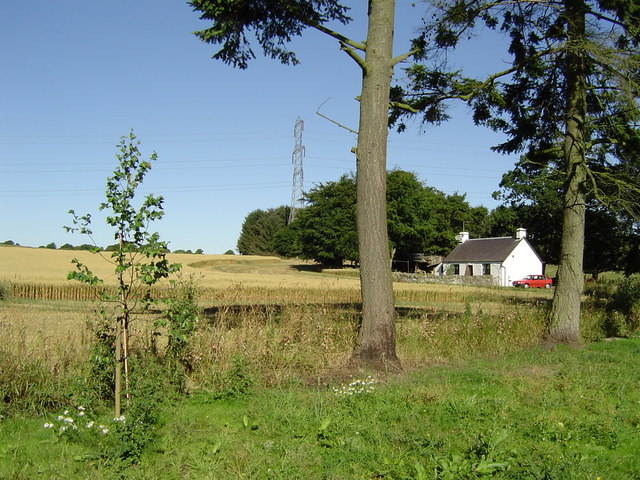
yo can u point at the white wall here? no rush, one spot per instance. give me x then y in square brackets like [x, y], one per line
[521, 262]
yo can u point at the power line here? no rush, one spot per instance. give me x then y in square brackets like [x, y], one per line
[170, 189]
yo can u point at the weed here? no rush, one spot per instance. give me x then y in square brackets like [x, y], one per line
[236, 383]
[5, 290]
[27, 386]
[180, 320]
[101, 378]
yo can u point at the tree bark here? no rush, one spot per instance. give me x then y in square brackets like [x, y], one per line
[376, 343]
[564, 325]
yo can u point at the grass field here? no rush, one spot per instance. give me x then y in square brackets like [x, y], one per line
[535, 414]
[269, 396]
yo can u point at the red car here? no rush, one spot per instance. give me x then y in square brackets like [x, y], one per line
[531, 281]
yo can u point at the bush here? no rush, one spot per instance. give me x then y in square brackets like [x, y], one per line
[134, 431]
[624, 308]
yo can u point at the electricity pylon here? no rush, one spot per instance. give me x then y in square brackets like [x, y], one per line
[298, 177]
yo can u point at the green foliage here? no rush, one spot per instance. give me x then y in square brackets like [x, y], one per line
[259, 229]
[326, 227]
[420, 219]
[272, 24]
[625, 308]
[120, 441]
[236, 383]
[532, 198]
[134, 432]
[139, 259]
[180, 319]
[100, 385]
[612, 308]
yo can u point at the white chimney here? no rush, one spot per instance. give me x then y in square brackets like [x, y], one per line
[521, 233]
[462, 237]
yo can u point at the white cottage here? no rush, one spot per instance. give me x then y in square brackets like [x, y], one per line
[505, 258]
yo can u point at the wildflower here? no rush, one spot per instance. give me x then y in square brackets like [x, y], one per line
[90, 424]
[48, 425]
[105, 431]
[81, 413]
[357, 387]
[81, 408]
[119, 419]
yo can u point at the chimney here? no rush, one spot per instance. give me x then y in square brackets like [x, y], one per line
[462, 237]
[521, 233]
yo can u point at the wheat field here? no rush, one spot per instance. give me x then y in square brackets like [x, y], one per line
[46, 266]
[284, 313]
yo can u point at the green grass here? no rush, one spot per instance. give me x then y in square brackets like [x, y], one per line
[534, 414]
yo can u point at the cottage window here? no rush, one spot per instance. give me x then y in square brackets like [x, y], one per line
[456, 269]
[486, 269]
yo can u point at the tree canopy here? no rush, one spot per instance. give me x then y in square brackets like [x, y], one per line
[421, 219]
[259, 229]
[568, 102]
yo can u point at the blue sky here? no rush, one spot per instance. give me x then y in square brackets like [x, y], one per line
[78, 75]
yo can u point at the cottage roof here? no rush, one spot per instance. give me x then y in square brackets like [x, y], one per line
[483, 250]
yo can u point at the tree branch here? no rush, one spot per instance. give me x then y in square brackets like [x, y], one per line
[404, 106]
[338, 36]
[346, 44]
[333, 121]
[403, 57]
[354, 55]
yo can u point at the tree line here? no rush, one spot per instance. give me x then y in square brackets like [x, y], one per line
[422, 219]
[90, 247]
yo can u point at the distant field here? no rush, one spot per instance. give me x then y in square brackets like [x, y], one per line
[245, 279]
[38, 265]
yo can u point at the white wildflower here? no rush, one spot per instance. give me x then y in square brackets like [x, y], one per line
[357, 387]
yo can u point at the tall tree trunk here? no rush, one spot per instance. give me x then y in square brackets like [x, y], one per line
[376, 342]
[565, 311]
